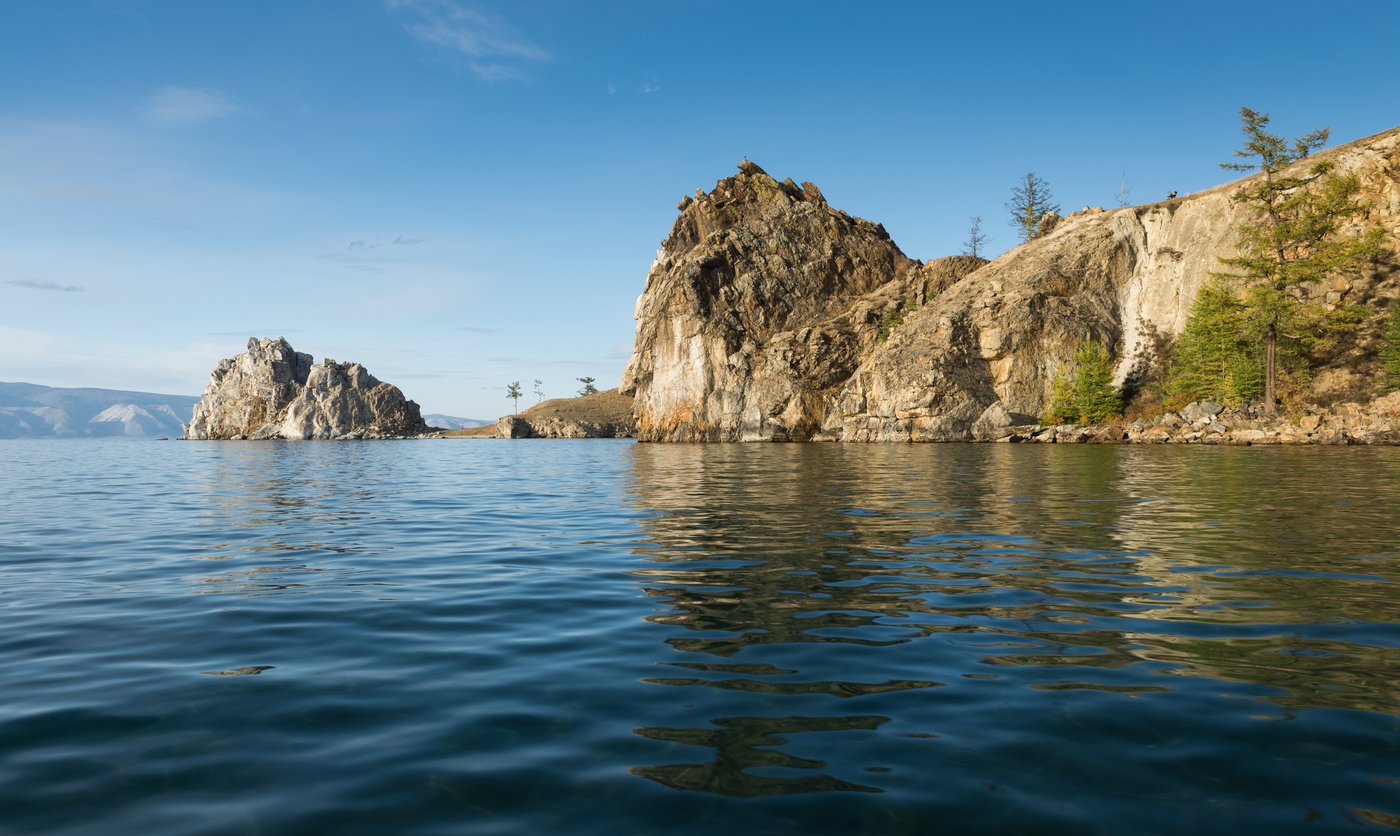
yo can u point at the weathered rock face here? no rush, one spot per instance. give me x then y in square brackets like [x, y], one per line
[272, 391]
[768, 315]
[758, 308]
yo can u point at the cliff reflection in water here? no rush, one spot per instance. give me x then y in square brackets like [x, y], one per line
[830, 589]
[284, 511]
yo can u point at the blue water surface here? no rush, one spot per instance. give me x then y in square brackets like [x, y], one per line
[477, 636]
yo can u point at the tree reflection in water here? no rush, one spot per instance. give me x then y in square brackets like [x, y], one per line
[874, 573]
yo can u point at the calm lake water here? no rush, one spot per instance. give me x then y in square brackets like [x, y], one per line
[529, 637]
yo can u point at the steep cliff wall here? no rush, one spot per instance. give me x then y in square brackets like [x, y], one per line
[769, 315]
[273, 391]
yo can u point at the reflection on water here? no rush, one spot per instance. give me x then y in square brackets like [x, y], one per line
[740, 746]
[602, 637]
[1157, 578]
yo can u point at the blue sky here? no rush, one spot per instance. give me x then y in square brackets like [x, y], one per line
[462, 193]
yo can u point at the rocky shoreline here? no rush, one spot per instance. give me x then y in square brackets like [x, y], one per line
[1376, 423]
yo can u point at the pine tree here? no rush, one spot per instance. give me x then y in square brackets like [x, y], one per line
[976, 239]
[1296, 237]
[1061, 409]
[1390, 354]
[1216, 357]
[1095, 396]
[1086, 395]
[1030, 202]
[588, 387]
[513, 392]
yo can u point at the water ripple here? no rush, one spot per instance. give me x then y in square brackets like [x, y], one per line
[601, 637]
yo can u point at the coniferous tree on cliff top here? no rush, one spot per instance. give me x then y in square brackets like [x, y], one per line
[1030, 202]
[1295, 238]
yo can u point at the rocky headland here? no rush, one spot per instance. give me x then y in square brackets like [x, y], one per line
[273, 391]
[606, 414]
[769, 315]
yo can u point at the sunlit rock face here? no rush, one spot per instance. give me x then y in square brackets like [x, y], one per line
[759, 306]
[273, 391]
[768, 315]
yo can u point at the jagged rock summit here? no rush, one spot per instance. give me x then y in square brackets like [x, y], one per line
[758, 308]
[273, 391]
[769, 315]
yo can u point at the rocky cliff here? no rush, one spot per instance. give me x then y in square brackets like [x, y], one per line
[768, 315]
[273, 391]
[758, 308]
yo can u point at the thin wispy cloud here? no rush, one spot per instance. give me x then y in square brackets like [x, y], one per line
[493, 49]
[475, 329]
[376, 241]
[188, 106]
[43, 284]
[254, 332]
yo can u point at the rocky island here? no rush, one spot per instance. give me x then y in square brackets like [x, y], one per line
[273, 391]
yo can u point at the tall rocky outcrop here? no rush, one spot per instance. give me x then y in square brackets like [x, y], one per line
[758, 308]
[273, 391]
[769, 316]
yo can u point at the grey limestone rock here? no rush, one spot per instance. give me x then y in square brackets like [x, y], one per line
[273, 391]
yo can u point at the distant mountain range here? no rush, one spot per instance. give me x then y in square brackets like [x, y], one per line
[452, 422]
[28, 410]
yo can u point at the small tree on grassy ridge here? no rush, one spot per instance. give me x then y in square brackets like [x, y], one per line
[539, 390]
[1390, 354]
[588, 387]
[513, 392]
